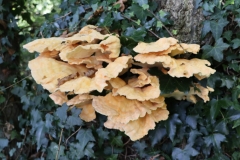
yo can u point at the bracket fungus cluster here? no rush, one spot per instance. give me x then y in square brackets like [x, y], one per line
[91, 61]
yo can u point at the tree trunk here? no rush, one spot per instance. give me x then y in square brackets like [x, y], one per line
[187, 17]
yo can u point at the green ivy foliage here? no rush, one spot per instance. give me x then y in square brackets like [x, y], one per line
[193, 131]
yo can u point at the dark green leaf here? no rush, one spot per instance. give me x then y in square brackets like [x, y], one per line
[216, 51]
[84, 136]
[236, 155]
[156, 135]
[236, 43]
[185, 154]
[136, 34]
[141, 2]
[208, 6]
[227, 81]
[215, 108]
[40, 136]
[172, 123]
[206, 28]
[117, 141]
[215, 139]
[237, 20]
[88, 151]
[214, 79]
[72, 121]
[54, 149]
[139, 12]
[75, 151]
[117, 16]
[217, 27]
[236, 123]
[150, 23]
[3, 143]
[2, 99]
[102, 134]
[192, 121]
[48, 121]
[192, 136]
[233, 115]
[105, 20]
[169, 84]
[61, 112]
[227, 35]
[221, 127]
[140, 147]
[219, 156]
[75, 112]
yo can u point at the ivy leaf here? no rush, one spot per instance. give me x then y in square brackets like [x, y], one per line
[228, 35]
[3, 143]
[217, 27]
[236, 123]
[233, 115]
[117, 141]
[102, 134]
[72, 121]
[237, 20]
[2, 99]
[215, 139]
[228, 82]
[192, 121]
[192, 136]
[75, 112]
[40, 136]
[139, 12]
[140, 147]
[172, 123]
[53, 150]
[105, 20]
[88, 151]
[216, 51]
[150, 23]
[236, 43]
[36, 117]
[169, 84]
[75, 151]
[206, 28]
[221, 127]
[61, 113]
[117, 16]
[84, 136]
[48, 121]
[136, 34]
[156, 135]
[208, 6]
[236, 155]
[141, 2]
[215, 108]
[185, 154]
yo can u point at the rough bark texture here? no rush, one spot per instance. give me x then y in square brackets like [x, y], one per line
[187, 19]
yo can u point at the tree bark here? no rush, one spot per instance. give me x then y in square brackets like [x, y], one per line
[187, 17]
